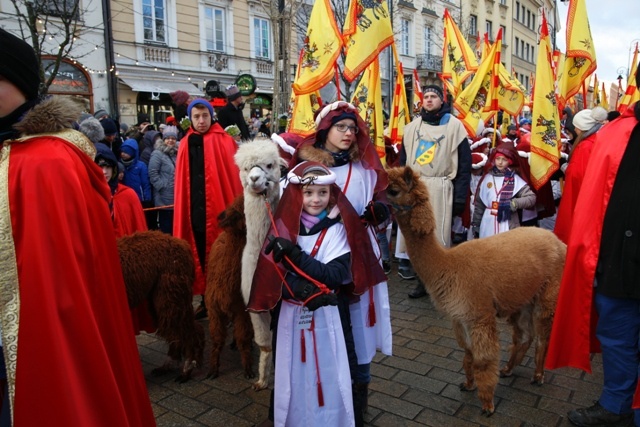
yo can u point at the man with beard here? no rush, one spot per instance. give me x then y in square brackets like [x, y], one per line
[206, 181]
[231, 114]
[435, 145]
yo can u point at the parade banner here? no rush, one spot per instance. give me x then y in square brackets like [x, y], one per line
[367, 31]
[631, 94]
[545, 126]
[400, 113]
[367, 98]
[302, 109]
[603, 98]
[321, 49]
[417, 92]
[458, 59]
[580, 59]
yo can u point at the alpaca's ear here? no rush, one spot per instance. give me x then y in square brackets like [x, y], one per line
[408, 176]
[283, 163]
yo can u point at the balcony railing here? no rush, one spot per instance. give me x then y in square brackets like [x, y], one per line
[429, 62]
[157, 54]
[264, 67]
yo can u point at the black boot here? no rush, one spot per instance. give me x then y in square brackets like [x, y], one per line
[596, 415]
[359, 402]
[419, 291]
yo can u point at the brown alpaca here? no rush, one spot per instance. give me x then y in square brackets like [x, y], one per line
[223, 296]
[160, 269]
[513, 275]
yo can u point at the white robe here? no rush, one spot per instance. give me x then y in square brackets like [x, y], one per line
[367, 339]
[487, 194]
[296, 383]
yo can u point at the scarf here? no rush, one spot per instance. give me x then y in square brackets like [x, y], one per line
[506, 193]
[309, 220]
[434, 117]
[340, 159]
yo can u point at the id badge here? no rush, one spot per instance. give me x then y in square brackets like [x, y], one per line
[494, 208]
[305, 318]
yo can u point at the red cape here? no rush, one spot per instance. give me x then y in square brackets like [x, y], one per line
[573, 333]
[222, 182]
[76, 361]
[128, 217]
[572, 184]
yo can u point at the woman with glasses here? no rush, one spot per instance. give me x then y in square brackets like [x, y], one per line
[342, 144]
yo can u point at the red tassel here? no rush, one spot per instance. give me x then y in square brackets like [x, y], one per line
[372, 309]
[303, 347]
[320, 395]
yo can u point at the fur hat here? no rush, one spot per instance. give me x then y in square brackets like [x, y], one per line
[19, 64]
[478, 160]
[435, 89]
[170, 131]
[100, 114]
[109, 126]
[233, 93]
[586, 119]
[479, 145]
[92, 128]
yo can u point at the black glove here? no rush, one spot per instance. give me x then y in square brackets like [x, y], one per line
[458, 208]
[476, 231]
[302, 293]
[281, 247]
[375, 213]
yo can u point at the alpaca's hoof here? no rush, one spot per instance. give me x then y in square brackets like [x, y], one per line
[467, 387]
[505, 373]
[537, 379]
[249, 374]
[259, 385]
[487, 412]
[213, 373]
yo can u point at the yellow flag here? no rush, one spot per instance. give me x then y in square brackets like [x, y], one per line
[478, 101]
[321, 49]
[632, 94]
[367, 98]
[417, 92]
[595, 98]
[545, 126]
[458, 59]
[302, 110]
[580, 60]
[603, 98]
[367, 31]
[400, 113]
[511, 93]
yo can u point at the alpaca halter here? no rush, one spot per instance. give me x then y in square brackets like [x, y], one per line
[329, 179]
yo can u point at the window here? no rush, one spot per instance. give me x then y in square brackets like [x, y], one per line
[503, 2]
[528, 19]
[427, 40]
[489, 30]
[153, 17]
[526, 52]
[517, 46]
[533, 21]
[65, 8]
[504, 33]
[533, 56]
[523, 12]
[405, 37]
[261, 34]
[517, 11]
[214, 27]
[526, 79]
[473, 25]
[521, 48]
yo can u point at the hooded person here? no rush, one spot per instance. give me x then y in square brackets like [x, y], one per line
[207, 180]
[92, 129]
[136, 174]
[598, 305]
[162, 172]
[61, 271]
[586, 124]
[342, 144]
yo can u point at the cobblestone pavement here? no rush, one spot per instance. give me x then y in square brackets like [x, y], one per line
[416, 386]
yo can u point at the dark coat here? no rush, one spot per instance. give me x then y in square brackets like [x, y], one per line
[230, 115]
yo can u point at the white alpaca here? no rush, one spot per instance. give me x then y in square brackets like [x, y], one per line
[259, 163]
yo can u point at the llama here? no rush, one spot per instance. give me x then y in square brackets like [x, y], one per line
[259, 162]
[513, 275]
[223, 296]
[160, 269]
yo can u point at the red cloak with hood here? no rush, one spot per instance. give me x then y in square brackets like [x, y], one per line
[573, 334]
[66, 330]
[222, 183]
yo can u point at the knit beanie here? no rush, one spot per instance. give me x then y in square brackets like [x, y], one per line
[19, 64]
[170, 131]
[200, 101]
[100, 114]
[586, 119]
[435, 89]
[233, 93]
[109, 126]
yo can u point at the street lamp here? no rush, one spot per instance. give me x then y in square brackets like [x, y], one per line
[620, 71]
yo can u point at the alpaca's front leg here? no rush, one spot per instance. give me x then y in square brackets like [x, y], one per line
[542, 322]
[464, 341]
[486, 353]
[218, 332]
[262, 335]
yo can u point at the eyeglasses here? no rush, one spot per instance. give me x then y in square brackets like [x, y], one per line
[343, 128]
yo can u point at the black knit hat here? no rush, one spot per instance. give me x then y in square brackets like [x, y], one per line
[19, 64]
[435, 89]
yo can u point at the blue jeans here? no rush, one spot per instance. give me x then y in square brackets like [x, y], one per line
[619, 333]
[384, 245]
[363, 374]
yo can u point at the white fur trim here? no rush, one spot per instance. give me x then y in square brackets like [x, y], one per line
[481, 163]
[524, 154]
[480, 142]
[282, 144]
[294, 178]
[564, 155]
[332, 107]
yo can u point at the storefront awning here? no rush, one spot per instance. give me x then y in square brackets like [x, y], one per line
[160, 86]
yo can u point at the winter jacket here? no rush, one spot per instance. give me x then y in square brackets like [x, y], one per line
[148, 145]
[162, 173]
[136, 175]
